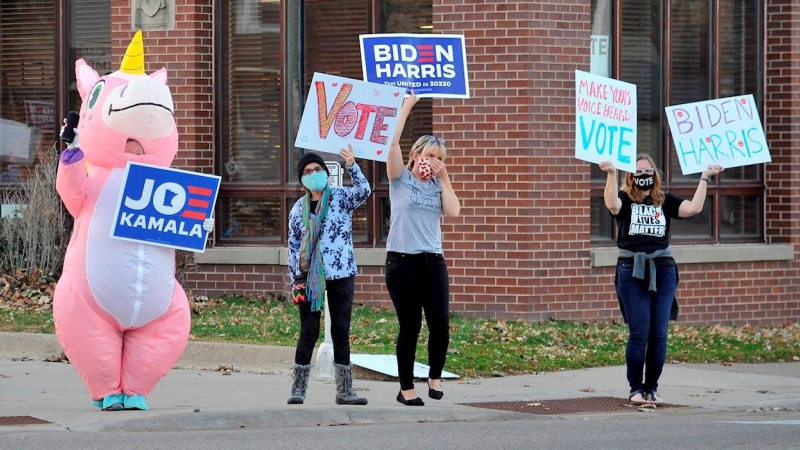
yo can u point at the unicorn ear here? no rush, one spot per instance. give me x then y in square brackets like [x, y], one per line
[86, 77]
[160, 75]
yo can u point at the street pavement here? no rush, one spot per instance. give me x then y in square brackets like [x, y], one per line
[251, 391]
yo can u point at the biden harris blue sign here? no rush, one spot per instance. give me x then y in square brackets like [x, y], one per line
[433, 65]
[165, 207]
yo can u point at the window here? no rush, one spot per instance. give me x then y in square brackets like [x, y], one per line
[27, 77]
[713, 52]
[28, 74]
[268, 56]
[90, 39]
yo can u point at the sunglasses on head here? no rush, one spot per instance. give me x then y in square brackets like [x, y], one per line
[439, 140]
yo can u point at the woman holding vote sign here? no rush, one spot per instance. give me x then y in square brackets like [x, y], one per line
[416, 272]
[647, 276]
[321, 259]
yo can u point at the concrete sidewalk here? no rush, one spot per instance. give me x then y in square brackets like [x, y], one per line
[193, 399]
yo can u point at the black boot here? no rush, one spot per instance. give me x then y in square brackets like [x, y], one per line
[345, 395]
[299, 384]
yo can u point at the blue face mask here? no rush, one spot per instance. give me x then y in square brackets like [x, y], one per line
[316, 181]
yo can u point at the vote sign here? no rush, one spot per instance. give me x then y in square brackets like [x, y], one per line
[165, 207]
[342, 111]
[605, 128]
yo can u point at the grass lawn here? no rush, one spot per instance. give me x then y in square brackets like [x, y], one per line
[478, 347]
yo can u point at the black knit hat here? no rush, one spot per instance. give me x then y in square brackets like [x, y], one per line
[307, 159]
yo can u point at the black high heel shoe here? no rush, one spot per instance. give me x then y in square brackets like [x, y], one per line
[433, 393]
[413, 402]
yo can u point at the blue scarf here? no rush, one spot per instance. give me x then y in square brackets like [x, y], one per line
[311, 253]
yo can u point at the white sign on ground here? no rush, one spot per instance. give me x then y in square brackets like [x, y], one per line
[387, 365]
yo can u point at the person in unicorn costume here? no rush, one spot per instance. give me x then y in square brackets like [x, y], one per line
[120, 315]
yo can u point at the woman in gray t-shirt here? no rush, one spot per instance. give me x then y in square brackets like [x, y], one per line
[416, 273]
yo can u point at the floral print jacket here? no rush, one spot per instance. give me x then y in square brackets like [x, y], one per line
[336, 235]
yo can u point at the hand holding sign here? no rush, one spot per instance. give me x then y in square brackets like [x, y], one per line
[410, 100]
[712, 170]
[348, 156]
[607, 167]
[208, 225]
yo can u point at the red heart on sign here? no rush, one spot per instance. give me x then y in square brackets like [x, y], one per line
[708, 139]
[396, 94]
[334, 84]
[379, 152]
[741, 144]
[743, 101]
[680, 114]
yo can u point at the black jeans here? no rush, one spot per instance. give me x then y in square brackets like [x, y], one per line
[340, 304]
[418, 283]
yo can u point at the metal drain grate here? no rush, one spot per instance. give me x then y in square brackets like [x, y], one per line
[10, 421]
[569, 406]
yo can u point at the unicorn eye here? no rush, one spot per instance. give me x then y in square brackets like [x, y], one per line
[95, 95]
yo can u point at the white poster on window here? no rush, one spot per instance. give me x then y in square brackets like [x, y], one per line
[600, 55]
[17, 144]
[725, 131]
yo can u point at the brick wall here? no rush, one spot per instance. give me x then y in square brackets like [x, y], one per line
[521, 247]
[783, 120]
[186, 52]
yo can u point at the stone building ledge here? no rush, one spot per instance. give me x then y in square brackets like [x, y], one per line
[599, 257]
[705, 254]
[275, 256]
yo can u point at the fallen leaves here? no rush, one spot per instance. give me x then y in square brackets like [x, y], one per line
[23, 291]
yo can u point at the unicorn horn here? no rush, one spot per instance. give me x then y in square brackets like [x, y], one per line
[133, 61]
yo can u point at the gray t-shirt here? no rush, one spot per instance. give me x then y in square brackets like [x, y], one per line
[415, 225]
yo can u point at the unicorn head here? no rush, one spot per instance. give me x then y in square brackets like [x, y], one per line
[126, 115]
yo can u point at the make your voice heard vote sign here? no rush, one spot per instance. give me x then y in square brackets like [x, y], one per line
[433, 65]
[165, 207]
[725, 131]
[341, 111]
[605, 128]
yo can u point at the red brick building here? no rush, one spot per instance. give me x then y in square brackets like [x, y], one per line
[534, 240]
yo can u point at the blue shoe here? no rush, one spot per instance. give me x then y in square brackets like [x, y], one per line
[135, 401]
[111, 402]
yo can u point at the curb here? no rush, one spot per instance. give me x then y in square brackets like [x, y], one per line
[304, 416]
[260, 359]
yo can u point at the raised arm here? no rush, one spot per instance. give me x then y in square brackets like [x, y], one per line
[361, 190]
[394, 160]
[611, 192]
[71, 178]
[695, 206]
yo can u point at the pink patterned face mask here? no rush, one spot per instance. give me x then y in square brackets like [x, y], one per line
[424, 167]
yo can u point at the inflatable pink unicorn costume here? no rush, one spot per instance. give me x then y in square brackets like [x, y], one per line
[120, 315]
